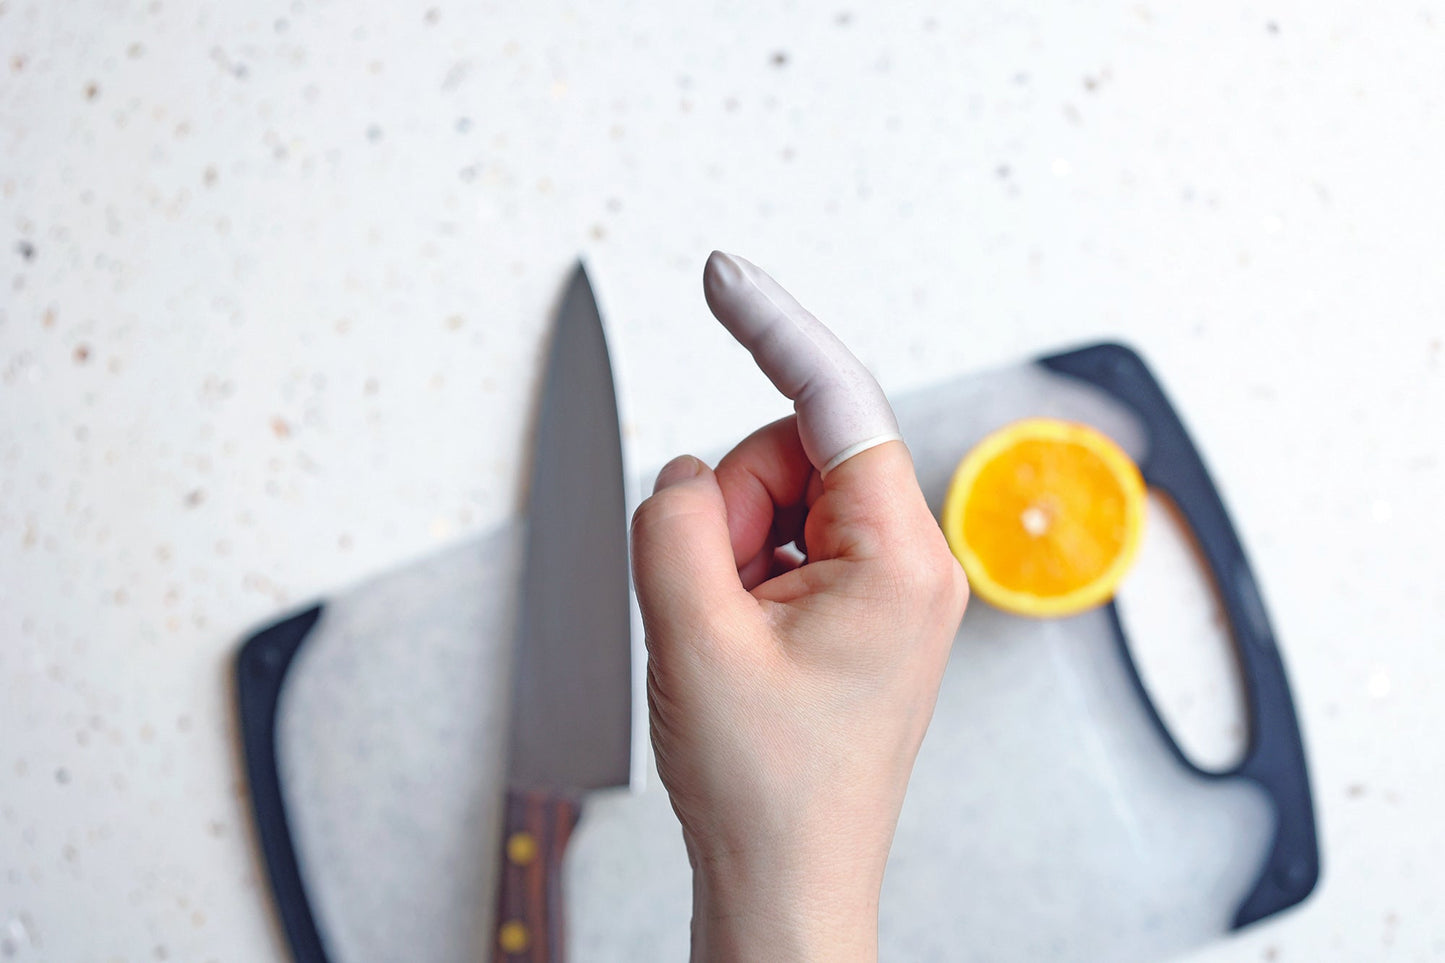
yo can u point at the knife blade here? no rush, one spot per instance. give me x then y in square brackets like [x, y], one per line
[570, 725]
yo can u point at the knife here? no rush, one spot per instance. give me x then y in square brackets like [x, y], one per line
[571, 715]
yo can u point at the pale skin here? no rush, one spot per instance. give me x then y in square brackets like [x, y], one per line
[789, 696]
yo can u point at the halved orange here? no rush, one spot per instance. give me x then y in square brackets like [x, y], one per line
[1045, 516]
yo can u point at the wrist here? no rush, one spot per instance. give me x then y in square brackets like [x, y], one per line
[779, 910]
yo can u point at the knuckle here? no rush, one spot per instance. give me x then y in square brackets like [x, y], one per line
[641, 518]
[921, 577]
[946, 582]
[654, 511]
[958, 586]
[943, 581]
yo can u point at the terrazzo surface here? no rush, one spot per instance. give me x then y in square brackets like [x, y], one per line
[275, 280]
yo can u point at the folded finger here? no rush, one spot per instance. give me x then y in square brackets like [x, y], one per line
[764, 481]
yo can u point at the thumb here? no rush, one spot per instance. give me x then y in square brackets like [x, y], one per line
[841, 409]
[682, 555]
[871, 504]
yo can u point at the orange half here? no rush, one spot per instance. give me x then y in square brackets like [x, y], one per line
[1046, 517]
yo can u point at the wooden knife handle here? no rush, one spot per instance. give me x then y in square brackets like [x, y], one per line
[529, 925]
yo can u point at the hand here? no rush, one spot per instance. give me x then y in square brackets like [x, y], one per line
[789, 695]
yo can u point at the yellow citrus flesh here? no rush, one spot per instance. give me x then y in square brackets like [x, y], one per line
[1045, 516]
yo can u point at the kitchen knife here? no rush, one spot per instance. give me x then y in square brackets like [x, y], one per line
[570, 726]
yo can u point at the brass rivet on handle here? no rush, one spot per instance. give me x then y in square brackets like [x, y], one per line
[521, 848]
[513, 937]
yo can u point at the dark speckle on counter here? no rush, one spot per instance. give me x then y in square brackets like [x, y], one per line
[193, 431]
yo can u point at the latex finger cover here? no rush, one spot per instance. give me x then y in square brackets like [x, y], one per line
[841, 409]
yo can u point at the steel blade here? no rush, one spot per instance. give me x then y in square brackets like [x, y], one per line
[571, 709]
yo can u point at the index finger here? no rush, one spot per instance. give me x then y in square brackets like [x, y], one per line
[841, 409]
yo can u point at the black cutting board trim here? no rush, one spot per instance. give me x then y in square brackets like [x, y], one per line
[1274, 758]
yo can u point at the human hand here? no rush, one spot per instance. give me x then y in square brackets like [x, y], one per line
[788, 697]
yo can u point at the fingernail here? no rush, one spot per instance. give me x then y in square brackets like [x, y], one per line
[721, 274]
[724, 267]
[680, 469]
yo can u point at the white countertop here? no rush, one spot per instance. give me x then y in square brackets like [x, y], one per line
[275, 277]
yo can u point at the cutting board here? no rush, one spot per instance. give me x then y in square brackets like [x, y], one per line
[1051, 816]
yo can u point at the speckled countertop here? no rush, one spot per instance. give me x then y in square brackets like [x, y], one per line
[275, 276]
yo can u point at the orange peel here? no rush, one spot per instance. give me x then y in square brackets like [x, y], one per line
[1046, 517]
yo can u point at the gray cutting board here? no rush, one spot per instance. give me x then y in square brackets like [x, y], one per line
[1050, 816]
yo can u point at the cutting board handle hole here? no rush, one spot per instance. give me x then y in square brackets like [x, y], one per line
[1180, 640]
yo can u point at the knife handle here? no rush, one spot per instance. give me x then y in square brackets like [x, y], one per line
[529, 923]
